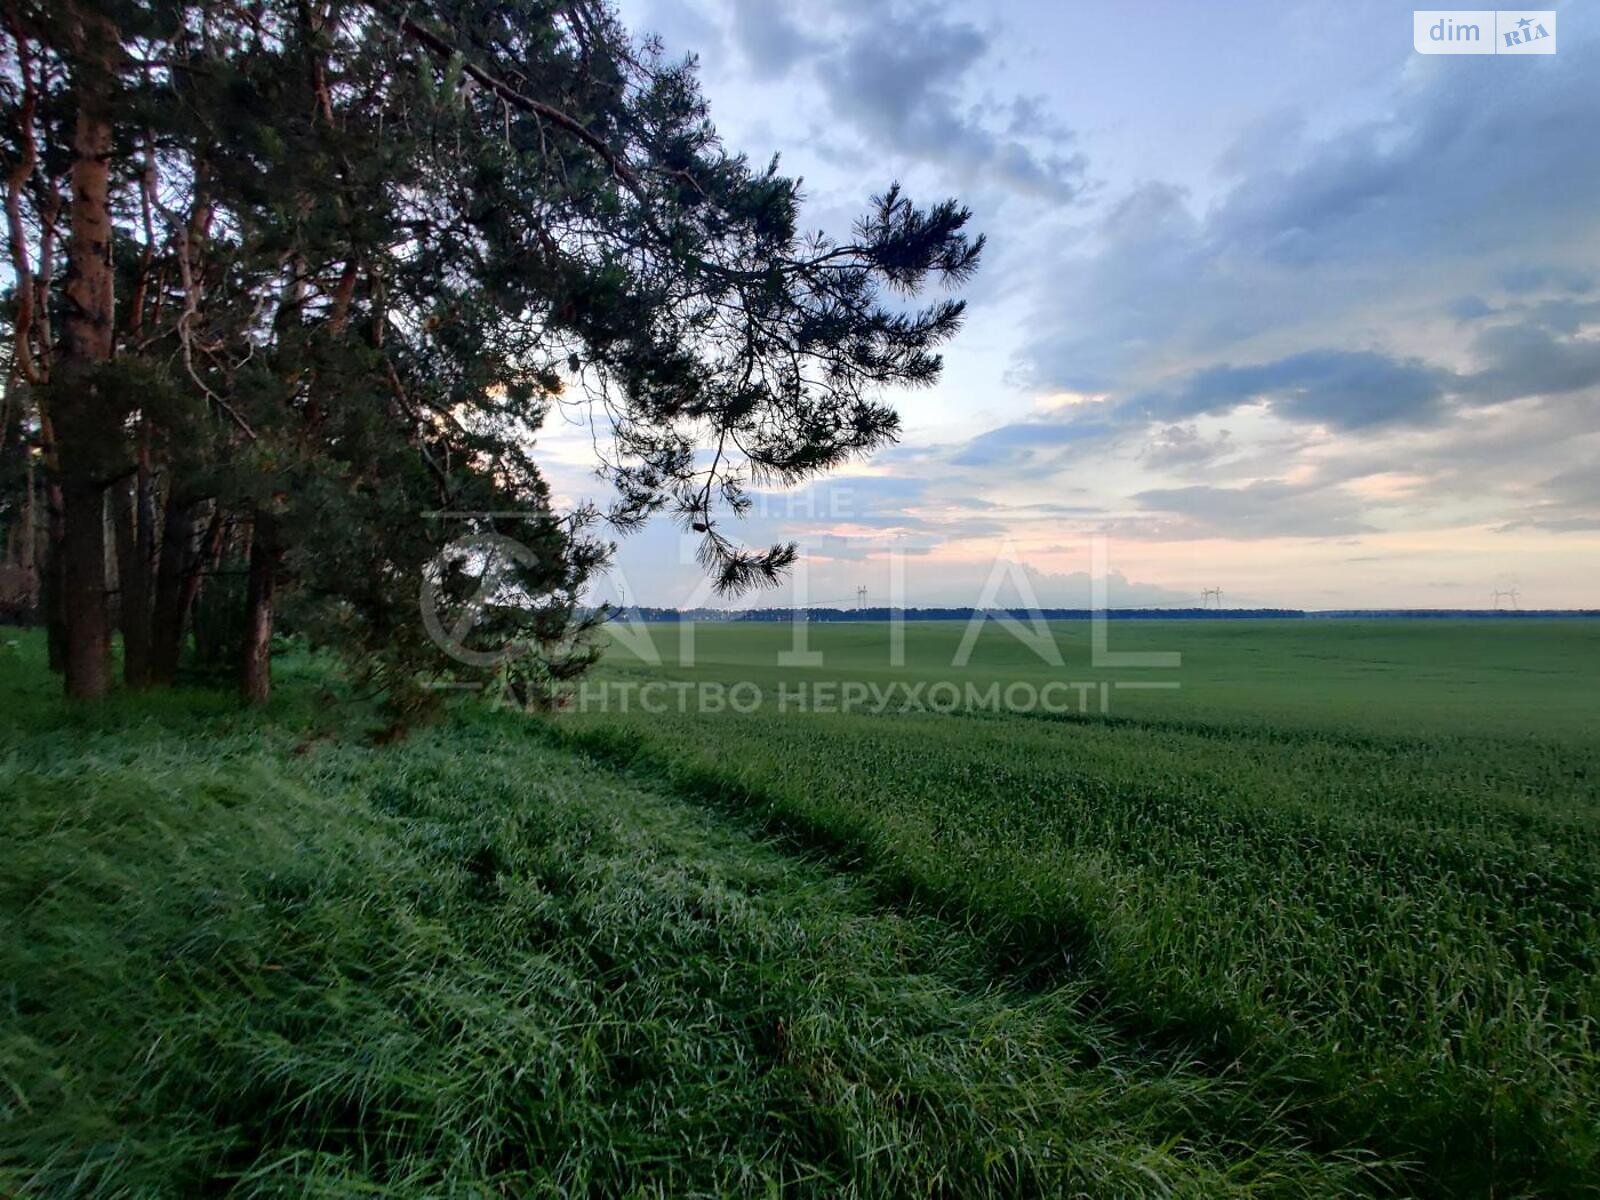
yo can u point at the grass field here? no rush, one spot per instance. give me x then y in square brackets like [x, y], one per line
[1324, 920]
[1356, 860]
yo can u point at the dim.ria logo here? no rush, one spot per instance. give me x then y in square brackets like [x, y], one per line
[1484, 31]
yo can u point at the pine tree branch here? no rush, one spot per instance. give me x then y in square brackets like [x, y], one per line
[512, 96]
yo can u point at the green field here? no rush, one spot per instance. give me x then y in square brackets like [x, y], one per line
[1454, 678]
[1356, 860]
[1323, 920]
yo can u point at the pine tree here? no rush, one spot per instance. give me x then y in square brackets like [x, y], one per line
[329, 265]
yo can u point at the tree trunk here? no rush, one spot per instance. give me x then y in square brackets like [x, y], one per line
[29, 556]
[255, 676]
[133, 580]
[166, 622]
[144, 542]
[178, 567]
[76, 395]
[83, 586]
[52, 589]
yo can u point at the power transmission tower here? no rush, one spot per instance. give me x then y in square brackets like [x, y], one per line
[861, 597]
[1209, 594]
[1508, 594]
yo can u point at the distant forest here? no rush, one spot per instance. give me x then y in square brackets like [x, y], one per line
[644, 613]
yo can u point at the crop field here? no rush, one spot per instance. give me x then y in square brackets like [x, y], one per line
[1355, 861]
[1323, 920]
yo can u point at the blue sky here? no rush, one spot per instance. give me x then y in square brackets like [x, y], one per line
[1272, 302]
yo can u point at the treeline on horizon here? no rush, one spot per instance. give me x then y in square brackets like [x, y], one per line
[646, 613]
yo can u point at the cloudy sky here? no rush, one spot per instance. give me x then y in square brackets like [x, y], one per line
[1271, 301]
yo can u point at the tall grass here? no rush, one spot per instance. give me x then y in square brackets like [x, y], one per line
[248, 953]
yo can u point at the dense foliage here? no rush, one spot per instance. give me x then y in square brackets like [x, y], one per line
[292, 276]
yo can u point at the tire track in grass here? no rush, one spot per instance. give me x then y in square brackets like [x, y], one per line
[1025, 961]
[473, 964]
[1326, 1100]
